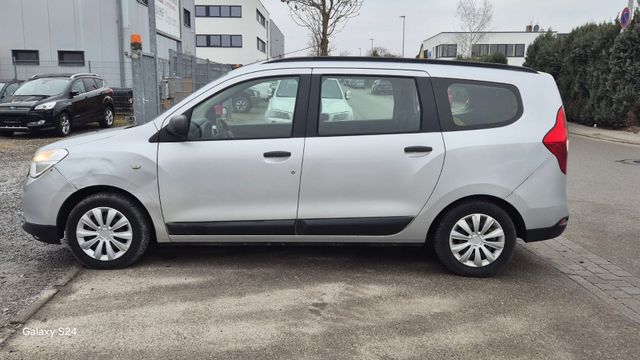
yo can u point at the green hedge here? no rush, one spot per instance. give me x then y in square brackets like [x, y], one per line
[493, 58]
[597, 69]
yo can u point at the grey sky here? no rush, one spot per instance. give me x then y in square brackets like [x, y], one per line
[379, 19]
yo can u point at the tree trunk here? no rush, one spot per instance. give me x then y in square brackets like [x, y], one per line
[324, 39]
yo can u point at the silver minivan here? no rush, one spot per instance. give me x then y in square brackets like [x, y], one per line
[465, 157]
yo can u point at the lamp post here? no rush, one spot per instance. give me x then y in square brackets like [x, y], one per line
[371, 46]
[404, 19]
[360, 49]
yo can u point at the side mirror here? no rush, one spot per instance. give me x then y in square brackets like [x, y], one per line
[178, 126]
[74, 93]
[347, 95]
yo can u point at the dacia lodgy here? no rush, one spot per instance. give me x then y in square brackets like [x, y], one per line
[465, 157]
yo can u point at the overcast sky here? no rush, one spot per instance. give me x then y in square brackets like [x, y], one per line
[379, 19]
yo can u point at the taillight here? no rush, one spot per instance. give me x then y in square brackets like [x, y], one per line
[557, 142]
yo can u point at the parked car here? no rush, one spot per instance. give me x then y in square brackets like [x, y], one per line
[57, 102]
[382, 87]
[8, 87]
[283, 102]
[334, 105]
[468, 182]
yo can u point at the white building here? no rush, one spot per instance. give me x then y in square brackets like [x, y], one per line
[236, 32]
[513, 44]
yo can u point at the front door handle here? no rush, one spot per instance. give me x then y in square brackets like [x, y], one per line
[277, 154]
[418, 149]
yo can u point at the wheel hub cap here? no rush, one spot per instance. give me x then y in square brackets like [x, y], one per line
[477, 240]
[104, 233]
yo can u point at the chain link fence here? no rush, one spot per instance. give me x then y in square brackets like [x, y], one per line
[182, 74]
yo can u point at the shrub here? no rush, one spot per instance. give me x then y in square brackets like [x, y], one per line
[597, 70]
[493, 58]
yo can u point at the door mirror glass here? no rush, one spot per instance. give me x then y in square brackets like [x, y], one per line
[178, 126]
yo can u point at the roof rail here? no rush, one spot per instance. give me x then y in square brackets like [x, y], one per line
[402, 61]
[83, 74]
[37, 76]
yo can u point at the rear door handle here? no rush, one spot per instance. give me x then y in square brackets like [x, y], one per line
[277, 154]
[418, 149]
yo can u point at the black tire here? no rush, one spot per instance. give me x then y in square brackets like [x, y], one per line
[242, 104]
[140, 228]
[459, 212]
[63, 124]
[6, 133]
[108, 117]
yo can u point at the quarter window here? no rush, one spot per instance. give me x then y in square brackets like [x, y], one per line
[368, 105]
[474, 105]
[258, 109]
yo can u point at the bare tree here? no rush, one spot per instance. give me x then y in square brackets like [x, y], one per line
[323, 18]
[475, 18]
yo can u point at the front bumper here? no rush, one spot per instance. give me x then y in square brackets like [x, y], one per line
[45, 233]
[27, 120]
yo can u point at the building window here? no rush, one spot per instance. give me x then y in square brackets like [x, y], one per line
[225, 11]
[224, 41]
[262, 46]
[186, 15]
[144, 2]
[508, 50]
[25, 57]
[71, 58]
[446, 51]
[261, 20]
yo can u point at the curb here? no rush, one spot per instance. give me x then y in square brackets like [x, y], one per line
[43, 297]
[604, 138]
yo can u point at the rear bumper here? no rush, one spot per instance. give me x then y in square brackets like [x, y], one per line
[45, 233]
[549, 233]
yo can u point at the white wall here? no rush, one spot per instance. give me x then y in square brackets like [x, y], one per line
[247, 26]
[525, 38]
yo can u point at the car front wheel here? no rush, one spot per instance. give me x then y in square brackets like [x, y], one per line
[107, 231]
[108, 118]
[475, 239]
[63, 125]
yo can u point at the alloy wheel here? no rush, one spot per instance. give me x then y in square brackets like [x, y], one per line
[477, 240]
[65, 124]
[108, 116]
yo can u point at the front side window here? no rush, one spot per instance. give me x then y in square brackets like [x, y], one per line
[43, 87]
[259, 109]
[78, 87]
[368, 105]
[474, 105]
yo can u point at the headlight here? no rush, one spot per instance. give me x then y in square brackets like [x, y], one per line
[45, 160]
[46, 106]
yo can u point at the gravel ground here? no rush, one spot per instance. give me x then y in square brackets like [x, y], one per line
[26, 265]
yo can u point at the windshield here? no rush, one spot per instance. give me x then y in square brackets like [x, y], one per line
[331, 90]
[288, 88]
[45, 86]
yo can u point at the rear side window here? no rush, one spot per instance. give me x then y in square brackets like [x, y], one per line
[90, 84]
[468, 105]
[352, 105]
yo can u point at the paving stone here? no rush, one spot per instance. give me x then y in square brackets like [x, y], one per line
[631, 290]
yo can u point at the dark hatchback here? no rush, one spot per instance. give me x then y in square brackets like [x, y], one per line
[57, 102]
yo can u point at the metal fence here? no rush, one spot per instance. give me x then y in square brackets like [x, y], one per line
[182, 74]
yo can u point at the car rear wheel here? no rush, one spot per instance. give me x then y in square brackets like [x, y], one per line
[108, 118]
[475, 239]
[242, 104]
[107, 231]
[63, 125]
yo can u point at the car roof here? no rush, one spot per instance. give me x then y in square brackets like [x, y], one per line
[64, 76]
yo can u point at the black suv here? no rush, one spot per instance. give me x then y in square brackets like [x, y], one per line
[57, 102]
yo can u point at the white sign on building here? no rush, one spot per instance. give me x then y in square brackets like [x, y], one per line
[168, 17]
